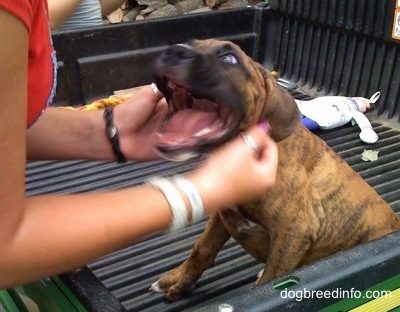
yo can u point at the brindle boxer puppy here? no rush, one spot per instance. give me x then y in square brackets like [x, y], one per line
[319, 205]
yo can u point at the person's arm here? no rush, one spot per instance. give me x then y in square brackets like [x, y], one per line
[61, 10]
[81, 135]
[67, 231]
[49, 234]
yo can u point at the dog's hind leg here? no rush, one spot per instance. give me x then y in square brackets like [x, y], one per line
[183, 278]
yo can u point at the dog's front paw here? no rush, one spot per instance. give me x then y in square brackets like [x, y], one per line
[176, 282]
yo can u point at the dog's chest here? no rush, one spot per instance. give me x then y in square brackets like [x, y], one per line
[247, 229]
[242, 221]
[238, 219]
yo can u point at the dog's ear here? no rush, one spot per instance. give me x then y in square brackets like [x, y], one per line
[280, 109]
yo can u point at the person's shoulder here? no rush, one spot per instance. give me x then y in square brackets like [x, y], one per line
[24, 10]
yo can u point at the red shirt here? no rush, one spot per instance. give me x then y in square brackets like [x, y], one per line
[42, 65]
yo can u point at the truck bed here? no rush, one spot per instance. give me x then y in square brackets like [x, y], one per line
[324, 47]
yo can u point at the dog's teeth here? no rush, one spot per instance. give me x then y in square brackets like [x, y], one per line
[202, 132]
[214, 126]
[171, 85]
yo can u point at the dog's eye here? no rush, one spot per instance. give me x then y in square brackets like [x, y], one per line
[229, 58]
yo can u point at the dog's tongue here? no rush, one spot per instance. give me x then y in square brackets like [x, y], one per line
[189, 124]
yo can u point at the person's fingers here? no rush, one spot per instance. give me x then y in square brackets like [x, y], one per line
[269, 152]
[150, 101]
[137, 109]
[147, 95]
[266, 160]
[257, 139]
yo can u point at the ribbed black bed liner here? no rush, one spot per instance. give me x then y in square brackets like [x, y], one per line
[127, 274]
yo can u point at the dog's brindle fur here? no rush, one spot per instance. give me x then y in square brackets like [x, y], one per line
[318, 206]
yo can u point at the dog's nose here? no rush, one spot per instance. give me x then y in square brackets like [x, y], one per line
[180, 52]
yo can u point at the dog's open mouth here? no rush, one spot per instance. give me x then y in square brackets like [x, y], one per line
[195, 122]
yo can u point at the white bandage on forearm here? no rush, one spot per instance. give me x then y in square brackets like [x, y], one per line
[175, 201]
[193, 196]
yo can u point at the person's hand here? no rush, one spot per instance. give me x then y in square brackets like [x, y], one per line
[236, 173]
[137, 120]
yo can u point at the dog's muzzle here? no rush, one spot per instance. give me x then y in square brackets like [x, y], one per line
[202, 111]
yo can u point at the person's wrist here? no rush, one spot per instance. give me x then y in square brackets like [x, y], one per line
[207, 189]
[179, 210]
[112, 133]
[192, 195]
[120, 119]
[183, 198]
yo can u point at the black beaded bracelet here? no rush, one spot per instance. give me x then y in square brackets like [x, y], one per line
[112, 134]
